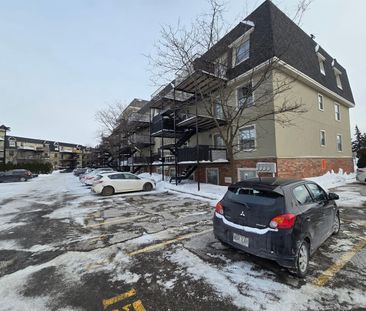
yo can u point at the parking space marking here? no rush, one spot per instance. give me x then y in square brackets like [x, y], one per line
[328, 274]
[162, 244]
[119, 220]
[120, 297]
[137, 305]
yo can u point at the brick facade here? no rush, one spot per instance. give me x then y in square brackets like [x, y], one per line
[286, 168]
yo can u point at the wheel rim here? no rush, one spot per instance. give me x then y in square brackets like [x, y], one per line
[336, 224]
[303, 258]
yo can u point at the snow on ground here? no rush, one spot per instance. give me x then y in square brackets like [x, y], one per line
[208, 192]
[332, 179]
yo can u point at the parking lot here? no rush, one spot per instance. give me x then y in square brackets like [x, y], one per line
[64, 248]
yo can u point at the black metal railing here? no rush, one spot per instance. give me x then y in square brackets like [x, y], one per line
[161, 123]
[202, 153]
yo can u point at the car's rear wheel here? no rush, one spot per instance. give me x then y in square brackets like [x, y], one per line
[336, 224]
[108, 190]
[23, 179]
[302, 260]
[147, 187]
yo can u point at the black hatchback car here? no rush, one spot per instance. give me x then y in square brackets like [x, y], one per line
[277, 219]
[15, 175]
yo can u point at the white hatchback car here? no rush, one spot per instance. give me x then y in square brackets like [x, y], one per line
[361, 174]
[108, 184]
[89, 178]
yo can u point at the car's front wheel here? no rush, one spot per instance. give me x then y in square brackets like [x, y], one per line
[302, 260]
[147, 187]
[23, 179]
[108, 190]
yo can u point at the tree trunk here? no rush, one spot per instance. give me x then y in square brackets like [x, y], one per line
[230, 156]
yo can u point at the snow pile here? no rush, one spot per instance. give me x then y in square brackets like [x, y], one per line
[208, 192]
[332, 180]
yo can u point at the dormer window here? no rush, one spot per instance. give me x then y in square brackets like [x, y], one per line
[241, 48]
[338, 74]
[242, 52]
[321, 60]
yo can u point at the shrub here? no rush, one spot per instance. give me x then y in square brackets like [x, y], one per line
[35, 167]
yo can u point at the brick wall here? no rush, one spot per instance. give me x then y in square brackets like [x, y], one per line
[301, 168]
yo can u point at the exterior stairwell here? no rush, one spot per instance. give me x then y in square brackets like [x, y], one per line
[186, 135]
[185, 174]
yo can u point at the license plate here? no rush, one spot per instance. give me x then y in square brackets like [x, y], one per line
[242, 240]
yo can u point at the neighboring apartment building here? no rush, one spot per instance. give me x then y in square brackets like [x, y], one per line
[28, 150]
[184, 137]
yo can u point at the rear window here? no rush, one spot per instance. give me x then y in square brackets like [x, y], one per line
[252, 196]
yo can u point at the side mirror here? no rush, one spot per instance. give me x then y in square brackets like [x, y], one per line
[333, 196]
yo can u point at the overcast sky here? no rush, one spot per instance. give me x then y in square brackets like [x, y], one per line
[61, 61]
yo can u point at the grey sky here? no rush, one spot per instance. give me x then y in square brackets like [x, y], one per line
[63, 60]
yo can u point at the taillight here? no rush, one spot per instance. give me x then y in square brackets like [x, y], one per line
[285, 221]
[219, 208]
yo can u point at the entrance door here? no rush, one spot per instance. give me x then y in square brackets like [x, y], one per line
[212, 175]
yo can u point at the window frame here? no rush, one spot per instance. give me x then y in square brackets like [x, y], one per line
[337, 114]
[214, 140]
[321, 60]
[322, 102]
[253, 169]
[341, 142]
[255, 139]
[237, 47]
[252, 96]
[325, 138]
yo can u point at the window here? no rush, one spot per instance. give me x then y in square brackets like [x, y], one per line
[11, 142]
[130, 176]
[242, 52]
[212, 175]
[338, 80]
[218, 141]
[337, 110]
[321, 102]
[322, 138]
[219, 113]
[116, 176]
[245, 96]
[247, 137]
[317, 192]
[302, 195]
[321, 59]
[339, 142]
[246, 173]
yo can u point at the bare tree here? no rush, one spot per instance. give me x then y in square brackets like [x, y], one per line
[180, 49]
[108, 118]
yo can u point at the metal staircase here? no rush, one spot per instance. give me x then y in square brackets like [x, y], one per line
[188, 171]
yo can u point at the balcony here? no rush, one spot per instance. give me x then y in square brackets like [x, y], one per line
[140, 140]
[205, 153]
[137, 119]
[204, 122]
[202, 78]
[135, 161]
[163, 126]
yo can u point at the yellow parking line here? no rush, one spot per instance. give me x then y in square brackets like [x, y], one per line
[137, 305]
[162, 244]
[324, 278]
[113, 300]
[119, 220]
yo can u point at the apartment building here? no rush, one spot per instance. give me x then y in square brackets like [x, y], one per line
[184, 136]
[19, 150]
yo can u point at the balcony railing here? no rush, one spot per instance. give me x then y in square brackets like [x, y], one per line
[139, 117]
[215, 69]
[162, 124]
[204, 153]
[140, 139]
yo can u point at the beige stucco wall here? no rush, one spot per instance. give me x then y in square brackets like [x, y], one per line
[303, 138]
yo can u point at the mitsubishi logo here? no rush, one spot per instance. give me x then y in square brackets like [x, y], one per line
[242, 214]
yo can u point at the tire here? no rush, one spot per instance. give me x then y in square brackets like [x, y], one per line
[108, 190]
[336, 224]
[302, 260]
[22, 179]
[147, 187]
